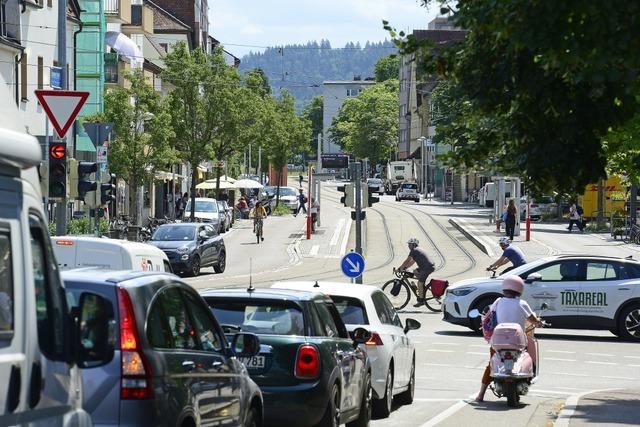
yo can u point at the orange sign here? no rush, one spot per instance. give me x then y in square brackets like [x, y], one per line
[58, 151]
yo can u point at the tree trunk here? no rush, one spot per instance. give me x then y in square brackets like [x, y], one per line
[600, 216]
[194, 172]
[218, 172]
[278, 176]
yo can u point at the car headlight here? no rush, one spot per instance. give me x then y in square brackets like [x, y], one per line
[461, 292]
[184, 257]
[183, 250]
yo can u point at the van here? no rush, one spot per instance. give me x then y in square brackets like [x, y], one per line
[108, 254]
[40, 345]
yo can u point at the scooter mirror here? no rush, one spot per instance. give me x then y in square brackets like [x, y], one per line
[474, 313]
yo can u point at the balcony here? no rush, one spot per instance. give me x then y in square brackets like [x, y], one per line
[118, 11]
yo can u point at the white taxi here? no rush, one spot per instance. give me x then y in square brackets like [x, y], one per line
[390, 350]
[582, 292]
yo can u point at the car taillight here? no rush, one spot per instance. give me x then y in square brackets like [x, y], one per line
[374, 340]
[307, 362]
[136, 372]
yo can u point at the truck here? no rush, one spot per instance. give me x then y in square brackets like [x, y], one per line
[398, 172]
[614, 199]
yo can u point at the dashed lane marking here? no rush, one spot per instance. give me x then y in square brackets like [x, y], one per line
[593, 362]
[560, 351]
[336, 232]
[601, 354]
[557, 359]
[570, 374]
[435, 350]
[477, 352]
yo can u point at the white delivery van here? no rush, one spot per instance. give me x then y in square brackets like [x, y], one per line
[111, 254]
[40, 348]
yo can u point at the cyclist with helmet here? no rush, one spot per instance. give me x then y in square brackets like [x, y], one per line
[510, 253]
[425, 267]
[258, 213]
[509, 309]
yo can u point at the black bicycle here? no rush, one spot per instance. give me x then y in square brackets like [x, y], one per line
[399, 292]
[258, 227]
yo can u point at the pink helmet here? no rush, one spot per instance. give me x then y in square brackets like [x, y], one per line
[513, 283]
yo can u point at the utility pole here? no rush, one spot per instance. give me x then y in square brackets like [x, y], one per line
[358, 195]
[319, 167]
[61, 206]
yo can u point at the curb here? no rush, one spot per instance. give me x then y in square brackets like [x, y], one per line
[571, 404]
[474, 239]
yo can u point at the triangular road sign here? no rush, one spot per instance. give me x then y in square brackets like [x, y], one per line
[62, 107]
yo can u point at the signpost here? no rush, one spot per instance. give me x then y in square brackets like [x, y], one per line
[352, 265]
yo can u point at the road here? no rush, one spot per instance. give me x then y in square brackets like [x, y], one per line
[450, 359]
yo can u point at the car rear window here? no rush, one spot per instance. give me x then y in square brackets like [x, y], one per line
[269, 317]
[351, 310]
[410, 186]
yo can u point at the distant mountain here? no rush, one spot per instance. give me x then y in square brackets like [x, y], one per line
[301, 68]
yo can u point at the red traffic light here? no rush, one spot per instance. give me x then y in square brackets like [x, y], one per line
[58, 151]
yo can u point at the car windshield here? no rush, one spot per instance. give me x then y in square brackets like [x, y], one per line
[373, 181]
[268, 317]
[351, 310]
[287, 191]
[174, 233]
[269, 191]
[410, 186]
[522, 270]
[203, 206]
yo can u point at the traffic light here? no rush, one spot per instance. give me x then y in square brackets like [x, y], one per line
[369, 196]
[58, 170]
[85, 184]
[108, 190]
[347, 198]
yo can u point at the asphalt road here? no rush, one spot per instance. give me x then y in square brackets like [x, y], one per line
[450, 359]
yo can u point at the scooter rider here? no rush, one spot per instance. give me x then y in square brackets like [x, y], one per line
[509, 309]
[509, 253]
[425, 267]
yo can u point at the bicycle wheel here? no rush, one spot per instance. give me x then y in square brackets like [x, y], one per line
[433, 303]
[402, 299]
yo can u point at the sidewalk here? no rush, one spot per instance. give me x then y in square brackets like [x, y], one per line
[601, 408]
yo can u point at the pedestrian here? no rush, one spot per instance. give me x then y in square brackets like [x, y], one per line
[224, 196]
[509, 253]
[425, 267]
[243, 208]
[502, 219]
[302, 201]
[510, 222]
[315, 208]
[300, 179]
[574, 218]
[177, 203]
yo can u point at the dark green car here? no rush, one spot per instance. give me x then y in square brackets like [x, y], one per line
[310, 371]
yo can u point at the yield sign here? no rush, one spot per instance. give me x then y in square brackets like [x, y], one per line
[62, 107]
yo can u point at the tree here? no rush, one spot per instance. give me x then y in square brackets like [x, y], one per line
[367, 125]
[387, 68]
[540, 95]
[141, 134]
[204, 107]
[313, 112]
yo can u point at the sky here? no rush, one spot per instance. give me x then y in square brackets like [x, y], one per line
[279, 22]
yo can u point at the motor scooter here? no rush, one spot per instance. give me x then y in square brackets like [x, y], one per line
[515, 363]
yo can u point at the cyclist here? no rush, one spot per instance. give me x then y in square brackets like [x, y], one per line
[509, 253]
[425, 267]
[258, 213]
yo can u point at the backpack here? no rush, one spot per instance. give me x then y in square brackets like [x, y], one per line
[489, 323]
[579, 210]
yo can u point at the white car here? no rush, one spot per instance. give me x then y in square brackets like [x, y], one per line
[390, 350]
[206, 210]
[288, 197]
[376, 184]
[408, 191]
[581, 291]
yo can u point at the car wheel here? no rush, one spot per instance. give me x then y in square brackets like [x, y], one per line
[481, 306]
[406, 397]
[365, 405]
[629, 323]
[252, 418]
[382, 407]
[222, 263]
[331, 417]
[195, 266]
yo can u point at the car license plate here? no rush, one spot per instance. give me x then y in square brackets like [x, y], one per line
[255, 362]
[508, 364]
[410, 191]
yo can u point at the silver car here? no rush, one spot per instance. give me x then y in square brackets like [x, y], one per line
[226, 214]
[171, 364]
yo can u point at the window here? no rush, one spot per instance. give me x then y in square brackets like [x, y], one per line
[601, 271]
[210, 231]
[50, 299]
[23, 77]
[40, 72]
[393, 314]
[351, 310]
[169, 325]
[260, 317]
[329, 327]
[561, 271]
[164, 46]
[207, 332]
[6, 284]
[3, 18]
[381, 309]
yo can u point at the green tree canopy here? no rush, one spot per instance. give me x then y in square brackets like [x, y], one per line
[313, 112]
[387, 67]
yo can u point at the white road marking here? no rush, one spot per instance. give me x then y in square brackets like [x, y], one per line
[560, 351]
[465, 380]
[557, 359]
[571, 388]
[314, 250]
[435, 350]
[611, 377]
[437, 364]
[564, 417]
[336, 233]
[435, 400]
[447, 413]
[477, 352]
[345, 237]
[600, 363]
[634, 366]
[479, 345]
[632, 357]
[601, 354]
[550, 391]
[569, 374]
[445, 343]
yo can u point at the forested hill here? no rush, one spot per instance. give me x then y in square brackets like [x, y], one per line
[301, 68]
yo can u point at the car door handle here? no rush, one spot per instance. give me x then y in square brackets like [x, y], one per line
[188, 365]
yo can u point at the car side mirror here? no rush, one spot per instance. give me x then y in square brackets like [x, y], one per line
[202, 236]
[360, 336]
[411, 324]
[94, 337]
[245, 344]
[533, 277]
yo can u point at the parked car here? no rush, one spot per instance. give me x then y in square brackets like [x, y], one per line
[171, 364]
[390, 350]
[206, 210]
[581, 291]
[111, 254]
[376, 184]
[408, 191]
[540, 206]
[191, 246]
[309, 369]
[38, 365]
[288, 197]
[226, 214]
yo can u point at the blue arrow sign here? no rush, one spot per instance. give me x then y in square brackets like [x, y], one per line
[352, 264]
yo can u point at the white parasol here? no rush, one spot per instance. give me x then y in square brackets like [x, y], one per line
[247, 183]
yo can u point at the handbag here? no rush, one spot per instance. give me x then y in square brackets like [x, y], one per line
[438, 287]
[489, 323]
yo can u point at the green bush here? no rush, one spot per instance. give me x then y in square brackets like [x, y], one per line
[82, 226]
[281, 210]
[52, 228]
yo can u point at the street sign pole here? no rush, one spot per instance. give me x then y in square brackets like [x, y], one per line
[46, 162]
[358, 191]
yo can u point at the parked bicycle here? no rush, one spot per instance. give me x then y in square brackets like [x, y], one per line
[634, 235]
[399, 291]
